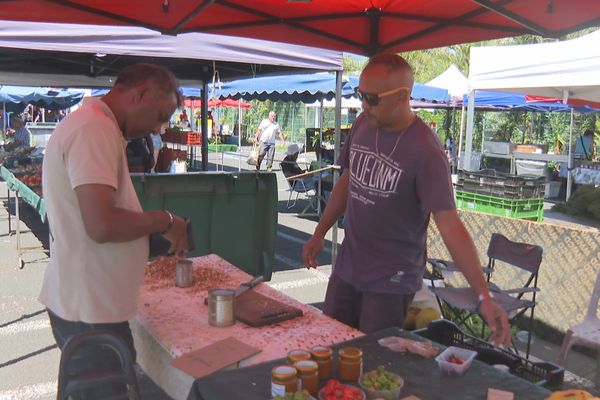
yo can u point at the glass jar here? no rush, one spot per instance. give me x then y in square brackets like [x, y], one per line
[308, 372]
[324, 358]
[283, 380]
[297, 355]
[350, 365]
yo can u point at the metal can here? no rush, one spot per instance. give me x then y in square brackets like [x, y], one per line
[220, 307]
[183, 273]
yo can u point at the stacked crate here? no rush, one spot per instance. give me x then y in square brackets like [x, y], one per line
[495, 193]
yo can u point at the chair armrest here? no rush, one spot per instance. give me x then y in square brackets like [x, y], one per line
[516, 290]
[449, 266]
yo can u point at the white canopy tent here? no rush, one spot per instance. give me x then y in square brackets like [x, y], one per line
[569, 70]
[453, 81]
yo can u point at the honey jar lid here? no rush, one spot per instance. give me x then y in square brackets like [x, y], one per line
[306, 366]
[350, 352]
[283, 372]
[321, 352]
[299, 355]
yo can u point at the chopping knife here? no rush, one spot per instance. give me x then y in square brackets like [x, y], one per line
[249, 285]
[245, 286]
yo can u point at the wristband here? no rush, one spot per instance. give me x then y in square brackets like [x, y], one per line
[484, 296]
[170, 224]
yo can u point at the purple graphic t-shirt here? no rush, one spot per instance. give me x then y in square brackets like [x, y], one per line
[396, 181]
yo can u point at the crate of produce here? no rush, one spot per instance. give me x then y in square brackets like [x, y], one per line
[190, 138]
[541, 373]
[526, 209]
[492, 183]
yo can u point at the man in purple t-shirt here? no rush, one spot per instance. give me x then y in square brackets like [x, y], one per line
[395, 176]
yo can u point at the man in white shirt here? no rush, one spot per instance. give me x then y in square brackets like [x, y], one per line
[98, 232]
[265, 136]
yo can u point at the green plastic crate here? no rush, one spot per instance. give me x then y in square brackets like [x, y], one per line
[233, 215]
[525, 209]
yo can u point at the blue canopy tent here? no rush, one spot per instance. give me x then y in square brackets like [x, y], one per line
[308, 88]
[505, 101]
[16, 98]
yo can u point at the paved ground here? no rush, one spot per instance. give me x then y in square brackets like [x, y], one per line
[29, 358]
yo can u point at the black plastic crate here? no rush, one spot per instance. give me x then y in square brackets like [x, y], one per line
[541, 373]
[493, 183]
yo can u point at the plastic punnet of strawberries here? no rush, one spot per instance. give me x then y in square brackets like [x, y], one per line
[334, 390]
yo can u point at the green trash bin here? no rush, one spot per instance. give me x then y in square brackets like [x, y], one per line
[233, 215]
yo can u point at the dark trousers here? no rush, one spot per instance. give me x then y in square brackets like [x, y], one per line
[93, 358]
[366, 311]
[267, 149]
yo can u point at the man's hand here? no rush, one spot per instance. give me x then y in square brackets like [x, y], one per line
[497, 320]
[311, 250]
[177, 235]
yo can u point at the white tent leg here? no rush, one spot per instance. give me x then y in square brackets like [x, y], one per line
[469, 137]
[460, 135]
[570, 163]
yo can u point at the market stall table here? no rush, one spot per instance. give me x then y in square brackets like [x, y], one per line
[29, 196]
[172, 321]
[421, 376]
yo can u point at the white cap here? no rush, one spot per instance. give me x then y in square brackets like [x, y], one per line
[292, 149]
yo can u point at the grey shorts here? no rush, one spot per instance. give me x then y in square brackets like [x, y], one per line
[366, 311]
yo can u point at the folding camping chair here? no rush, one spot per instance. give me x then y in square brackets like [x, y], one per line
[298, 187]
[525, 260]
[70, 384]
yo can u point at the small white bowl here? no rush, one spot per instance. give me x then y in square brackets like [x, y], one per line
[453, 368]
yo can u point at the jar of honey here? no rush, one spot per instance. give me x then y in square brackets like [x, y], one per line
[297, 355]
[308, 372]
[283, 380]
[323, 356]
[350, 365]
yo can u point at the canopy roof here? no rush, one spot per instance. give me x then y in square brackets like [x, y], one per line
[308, 88]
[566, 70]
[359, 26]
[15, 98]
[91, 56]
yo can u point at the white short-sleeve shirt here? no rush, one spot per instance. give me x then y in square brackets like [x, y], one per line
[268, 131]
[85, 280]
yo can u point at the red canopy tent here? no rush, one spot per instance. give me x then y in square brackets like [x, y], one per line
[358, 26]
[195, 103]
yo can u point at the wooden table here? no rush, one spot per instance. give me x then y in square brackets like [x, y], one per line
[172, 321]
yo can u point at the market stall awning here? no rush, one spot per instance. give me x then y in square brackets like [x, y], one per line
[75, 55]
[305, 88]
[358, 26]
[16, 98]
[308, 88]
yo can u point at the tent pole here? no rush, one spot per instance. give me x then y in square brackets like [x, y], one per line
[570, 163]
[3, 121]
[460, 134]
[204, 112]
[469, 138]
[239, 134]
[336, 154]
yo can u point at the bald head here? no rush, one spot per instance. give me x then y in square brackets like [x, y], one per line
[398, 71]
[142, 74]
[385, 87]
